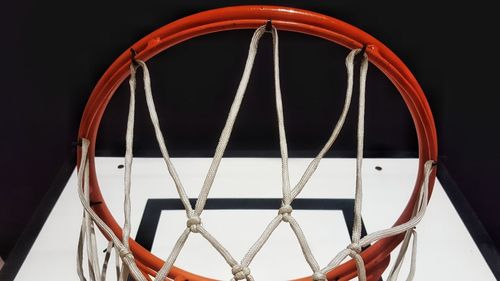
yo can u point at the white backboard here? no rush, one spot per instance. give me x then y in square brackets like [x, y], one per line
[244, 198]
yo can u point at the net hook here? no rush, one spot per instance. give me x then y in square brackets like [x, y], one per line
[363, 50]
[269, 26]
[133, 53]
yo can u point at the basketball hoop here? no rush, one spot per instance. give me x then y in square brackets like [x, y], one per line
[374, 259]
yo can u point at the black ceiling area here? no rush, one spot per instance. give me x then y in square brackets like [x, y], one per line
[54, 52]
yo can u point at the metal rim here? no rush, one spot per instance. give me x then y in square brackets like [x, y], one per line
[376, 257]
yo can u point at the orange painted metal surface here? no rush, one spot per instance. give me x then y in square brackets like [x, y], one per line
[376, 257]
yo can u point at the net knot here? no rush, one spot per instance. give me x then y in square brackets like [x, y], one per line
[355, 247]
[240, 272]
[285, 211]
[193, 222]
[124, 252]
[318, 276]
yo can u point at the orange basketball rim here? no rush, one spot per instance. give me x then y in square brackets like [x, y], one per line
[376, 257]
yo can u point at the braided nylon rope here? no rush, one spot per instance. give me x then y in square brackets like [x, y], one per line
[194, 223]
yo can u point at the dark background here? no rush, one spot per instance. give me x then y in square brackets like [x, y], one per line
[54, 52]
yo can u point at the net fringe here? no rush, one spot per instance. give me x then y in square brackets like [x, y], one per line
[125, 263]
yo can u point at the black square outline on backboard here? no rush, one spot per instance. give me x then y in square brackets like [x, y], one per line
[152, 212]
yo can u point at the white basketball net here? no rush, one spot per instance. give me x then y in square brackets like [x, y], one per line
[241, 270]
